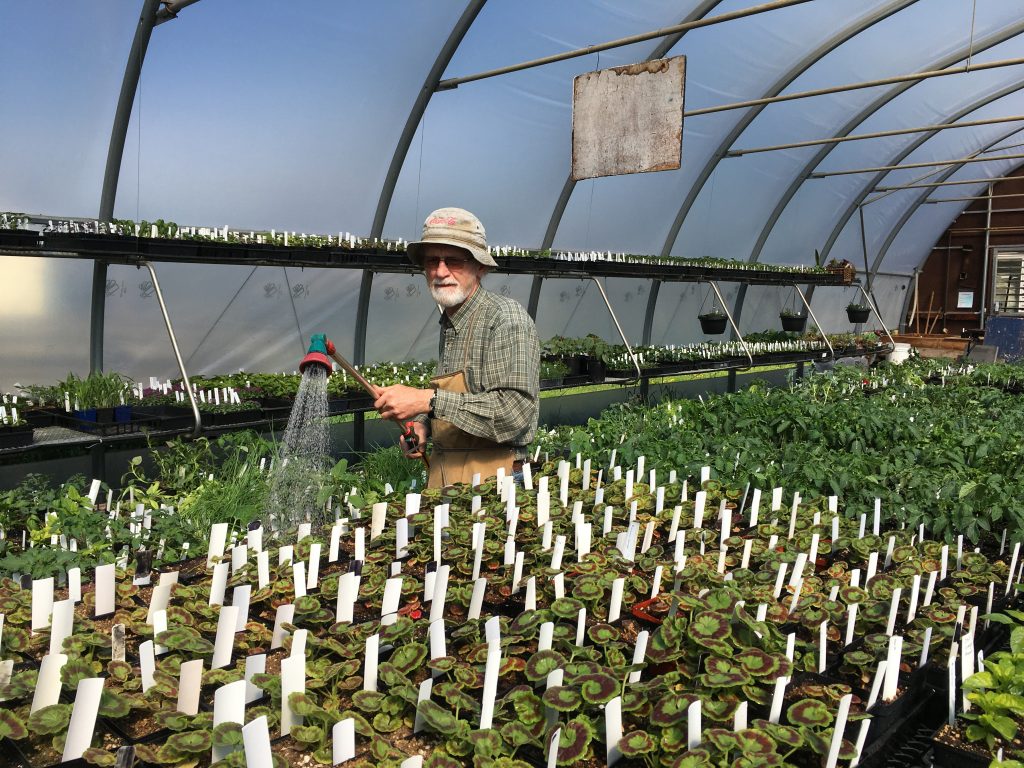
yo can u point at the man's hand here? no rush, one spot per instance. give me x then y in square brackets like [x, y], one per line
[400, 403]
[420, 431]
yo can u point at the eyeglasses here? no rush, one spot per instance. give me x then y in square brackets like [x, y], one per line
[454, 263]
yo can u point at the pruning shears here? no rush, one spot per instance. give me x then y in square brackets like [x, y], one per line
[411, 443]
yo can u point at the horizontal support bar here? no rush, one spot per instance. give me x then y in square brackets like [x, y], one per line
[925, 185]
[455, 82]
[981, 197]
[875, 135]
[954, 161]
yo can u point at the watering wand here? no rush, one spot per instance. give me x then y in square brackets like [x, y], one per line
[320, 349]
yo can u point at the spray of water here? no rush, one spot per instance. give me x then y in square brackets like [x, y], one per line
[304, 456]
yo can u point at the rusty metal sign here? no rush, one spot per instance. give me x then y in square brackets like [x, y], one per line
[628, 119]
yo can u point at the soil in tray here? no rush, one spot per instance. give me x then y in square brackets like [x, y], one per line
[951, 750]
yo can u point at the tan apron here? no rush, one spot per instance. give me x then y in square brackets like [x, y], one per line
[457, 455]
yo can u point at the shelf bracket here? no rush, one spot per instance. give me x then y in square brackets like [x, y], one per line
[831, 352]
[197, 423]
[732, 323]
[622, 335]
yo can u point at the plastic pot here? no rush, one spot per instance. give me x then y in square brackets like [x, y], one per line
[858, 315]
[712, 325]
[793, 323]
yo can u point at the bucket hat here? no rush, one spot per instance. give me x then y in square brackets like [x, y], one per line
[452, 226]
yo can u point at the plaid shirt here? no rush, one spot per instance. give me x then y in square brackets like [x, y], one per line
[502, 371]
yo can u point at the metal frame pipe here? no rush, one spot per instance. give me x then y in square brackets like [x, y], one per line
[831, 352]
[875, 135]
[112, 171]
[980, 197]
[455, 82]
[197, 421]
[923, 164]
[622, 334]
[986, 256]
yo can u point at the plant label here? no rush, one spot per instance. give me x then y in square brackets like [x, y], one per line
[790, 645]
[47, 690]
[254, 665]
[556, 556]
[778, 697]
[477, 600]
[915, 588]
[543, 507]
[699, 502]
[490, 691]
[343, 736]
[299, 643]
[792, 515]
[613, 729]
[263, 569]
[42, 603]
[293, 680]
[966, 665]
[581, 627]
[952, 682]
[840, 728]
[438, 646]
[285, 615]
[510, 551]
[228, 707]
[693, 725]
[303, 531]
[547, 634]
[606, 527]
[390, 603]
[988, 602]
[888, 552]
[876, 524]
[158, 600]
[218, 538]
[583, 534]
[780, 579]
[925, 646]
[863, 524]
[1013, 567]
[239, 557]
[240, 599]
[190, 679]
[63, 620]
[930, 587]
[348, 589]
[313, 570]
[943, 562]
[83, 717]
[147, 664]
[528, 477]
[638, 654]
[894, 606]
[299, 579]
[851, 622]
[615, 604]
[6, 670]
[254, 538]
[94, 491]
[892, 668]
[872, 568]
[117, 642]
[773, 541]
[371, 656]
[553, 748]
[256, 744]
[75, 584]
[558, 580]
[798, 569]
[159, 626]
[218, 584]
[656, 581]
[401, 537]
[762, 612]
[822, 646]
[424, 695]
[286, 554]
[440, 593]
[530, 602]
[225, 640]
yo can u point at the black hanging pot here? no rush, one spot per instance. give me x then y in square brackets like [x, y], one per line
[793, 323]
[858, 314]
[712, 324]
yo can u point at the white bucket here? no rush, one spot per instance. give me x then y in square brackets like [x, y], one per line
[899, 353]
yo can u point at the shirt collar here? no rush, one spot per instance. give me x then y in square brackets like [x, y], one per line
[463, 313]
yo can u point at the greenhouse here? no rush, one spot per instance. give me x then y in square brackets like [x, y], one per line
[502, 384]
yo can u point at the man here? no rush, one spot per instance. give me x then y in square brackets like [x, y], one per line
[482, 408]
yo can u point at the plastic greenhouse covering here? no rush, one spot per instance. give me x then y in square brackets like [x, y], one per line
[287, 115]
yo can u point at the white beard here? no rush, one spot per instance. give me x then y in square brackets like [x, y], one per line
[448, 296]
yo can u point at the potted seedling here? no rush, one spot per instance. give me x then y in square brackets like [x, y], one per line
[858, 313]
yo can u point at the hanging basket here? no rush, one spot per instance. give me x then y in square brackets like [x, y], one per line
[712, 324]
[857, 314]
[793, 323]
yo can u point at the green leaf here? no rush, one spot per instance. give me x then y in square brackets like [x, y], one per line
[562, 698]
[368, 701]
[12, 726]
[636, 743]
[436, 717]
[49, 720]
[574, 741]
[308, 734]
[542, 663]
[809, 712]
[598, 688]
[100, 757]
[190, 742]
